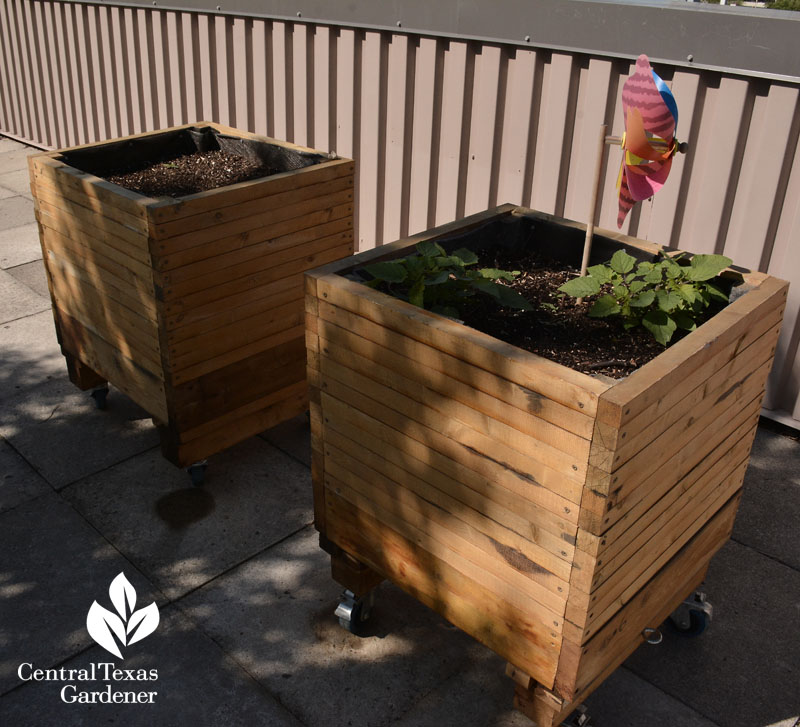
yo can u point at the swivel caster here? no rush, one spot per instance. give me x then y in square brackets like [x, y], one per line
[352, 611]
[692, 617]
[197, 473]
[579, 718]
[100, 395]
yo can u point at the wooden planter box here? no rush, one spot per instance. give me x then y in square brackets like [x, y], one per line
[550, 514]
[191, 306]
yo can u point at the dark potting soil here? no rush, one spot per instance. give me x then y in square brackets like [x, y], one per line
[188, 174]
[558, 328]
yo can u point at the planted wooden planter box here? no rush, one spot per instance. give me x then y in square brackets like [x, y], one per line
[550, 514]
[192, 306]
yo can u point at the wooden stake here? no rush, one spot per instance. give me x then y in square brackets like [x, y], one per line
[587, 245]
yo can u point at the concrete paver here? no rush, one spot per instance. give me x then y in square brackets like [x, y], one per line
[253, 497]
[744, 670]
[19, 245]
[274, 614]
[16, 158]
[197, 685]
[56, 427]
[34, 276]
[770, 509]
[17, 299]
[19, 482]
[17, 181]
[52, 566]
[15, 211]
[30, 352]
[292, 437]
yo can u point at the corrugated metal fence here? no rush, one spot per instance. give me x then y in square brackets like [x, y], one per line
[439, 127]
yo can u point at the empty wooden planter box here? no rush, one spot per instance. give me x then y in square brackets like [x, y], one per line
[552, 515]
[191, 306]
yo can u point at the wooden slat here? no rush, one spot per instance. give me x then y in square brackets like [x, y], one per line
[232, 388]
[689, 432]
[417, 394]
[84, 227]
[420, 419]
[250, 252]
[128, 375]
[443, 453]
[512, 510]
[653, 603]
[219, 319]
[443, 535]
[174, 304]
[245, 225]
[318, 182]
[474, 609]
[664, 494]
[651, 382]
[241, 333]
[238, 426]
[571, 388]
[201, 317]
[170, 260]
[551, 422]
[53, 188]
[262, 265]
[704, 447]
[635, 437]
[100, 193]
[138, 279]
[49, 199]
[536, 562]
[620, 589]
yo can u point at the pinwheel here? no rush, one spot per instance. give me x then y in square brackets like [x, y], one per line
[649, 143]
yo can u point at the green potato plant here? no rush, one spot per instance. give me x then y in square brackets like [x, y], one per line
[661, 296]
[442, 282]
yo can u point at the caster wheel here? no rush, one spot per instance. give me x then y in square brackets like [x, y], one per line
[352, 611]
[692, 617]
[197, 473]
[696, 625]
[100, 396]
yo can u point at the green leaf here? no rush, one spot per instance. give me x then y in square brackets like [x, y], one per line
[715, 292]
[449, 261]
[428, 248]
[667, 300]
[684, 320]
[621, 262]
[495, 274]
[620, 291]
[604, 306]
[390, 272]
[581, 287]
[660, 325]
[505, 296]
[674, 270]
[441, 277]
[601, 273]
[655, 276]
[643, 300]
[687, 292]
[416, 296]
[637, 286]
[467, 256]
[644, 267]
[705, 267]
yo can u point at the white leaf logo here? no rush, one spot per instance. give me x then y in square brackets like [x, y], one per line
[129, 627]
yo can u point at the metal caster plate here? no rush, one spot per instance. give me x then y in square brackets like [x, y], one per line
[579, 718]
[692, 617]
[197, 473]
[353, 611]
[100, 396]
